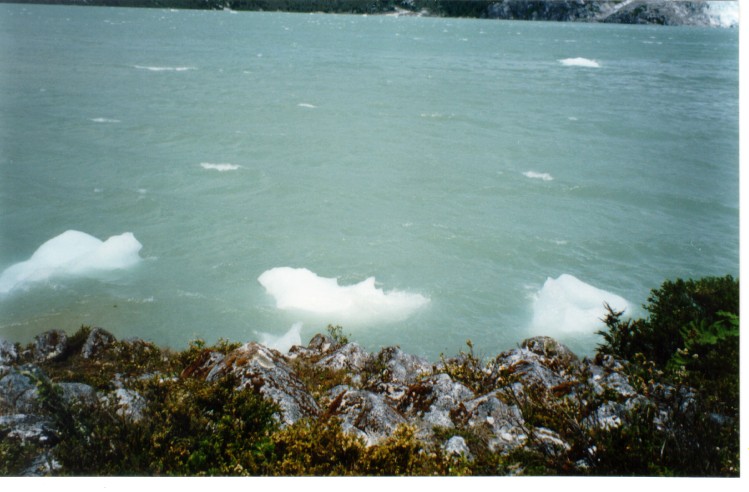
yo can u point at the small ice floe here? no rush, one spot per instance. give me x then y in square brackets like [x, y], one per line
[579, 62]
[163, 69]
[535, 175]
[219, 167]
[73, 254]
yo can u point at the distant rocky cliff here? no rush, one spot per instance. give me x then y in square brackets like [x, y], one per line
[663, 12]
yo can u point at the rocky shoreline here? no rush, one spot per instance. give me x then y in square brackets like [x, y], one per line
[372, 394]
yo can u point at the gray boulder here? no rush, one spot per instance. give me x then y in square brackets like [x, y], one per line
[130, 404]
[97, 342]
[50, 345]
[18, 391]
[8, 352]
[27, 428]
[267, 372]
[402, 367]
[433, 400]
[456, 446]
[364, 413]
[350, 357]
[503, 423]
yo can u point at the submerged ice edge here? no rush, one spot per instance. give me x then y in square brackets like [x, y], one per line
[72, 254]
[283, 342]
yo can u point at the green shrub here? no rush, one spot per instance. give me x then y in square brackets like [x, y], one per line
[317, 448]
[190, 427]
[675, 305]
[689, 340]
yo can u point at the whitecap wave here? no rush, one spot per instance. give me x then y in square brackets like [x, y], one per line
[163, 69]
[104, 120]
[568, 305]
[535, 175]
[73, 254]
[579, 62]
[300, 290]
[283, 342]
[307, 105]
[219, 167]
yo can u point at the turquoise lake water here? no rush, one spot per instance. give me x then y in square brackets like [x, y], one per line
[419, 181]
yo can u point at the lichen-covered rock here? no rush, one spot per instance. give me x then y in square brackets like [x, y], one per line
[550, 441]
[130, 404]
[18, 391]
[266, 371]
[548, 348]
[434, 398]
[604, 380]
[504, 423]
[540, 361]
[321, 343]
[319, 346]
[50, 345]
[402, 367]
[8, 352]
[364, 413]
[202, 365]
[391, 371]
[78, 392]
[530, 369]
[350, 357]
[457, 446]
[97, 342]
[27, 427]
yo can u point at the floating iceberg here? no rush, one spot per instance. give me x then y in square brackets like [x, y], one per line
[568, 305]
[73, 254]
[299, 289]
[535, 175]
[223, 167]
[579, 62]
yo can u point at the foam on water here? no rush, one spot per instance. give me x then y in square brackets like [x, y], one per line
[567, 305]
[579, 62]
[535, 175]
[219, 167]
[283, 342]
[72, 254]
[300, 290]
